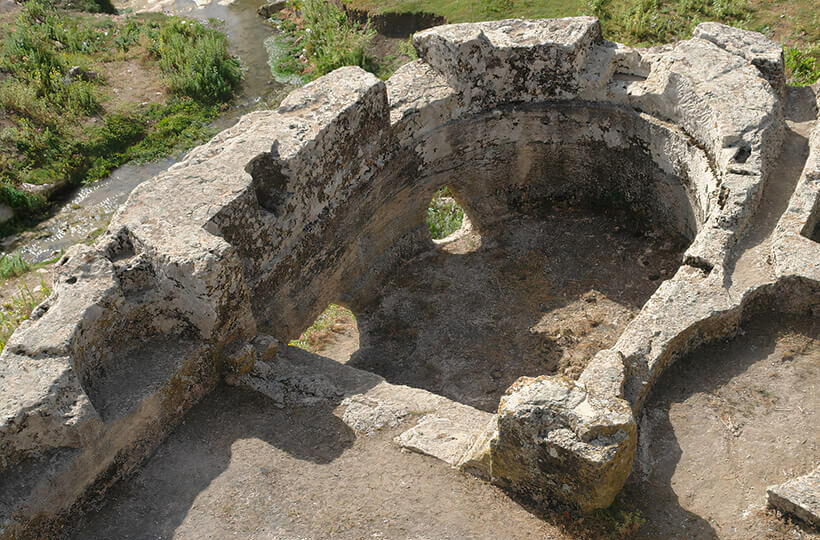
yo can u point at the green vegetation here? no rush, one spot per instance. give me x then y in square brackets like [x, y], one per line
[334, 319]
[650, 22]
[795, 23]
[318, 38]
[196, 61]
[19, 308]
[61, 122]
[444, 215]
[13, 266]
[804, 65]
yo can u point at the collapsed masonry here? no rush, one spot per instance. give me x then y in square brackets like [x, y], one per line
[242, 244]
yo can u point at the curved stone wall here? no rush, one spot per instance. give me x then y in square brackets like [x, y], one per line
[255, 232]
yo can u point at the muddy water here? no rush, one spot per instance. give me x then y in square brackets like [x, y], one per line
[87, 211]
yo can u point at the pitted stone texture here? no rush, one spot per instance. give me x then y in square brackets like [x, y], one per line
[715, 96]
[605, 374]
[799, 497]
[558, 441]
[50, 409]
[259, 229]
[511, 60]
[719, 99]
[420, 101]
[763, 53]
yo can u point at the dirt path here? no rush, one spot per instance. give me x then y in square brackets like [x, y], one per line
[239, 467]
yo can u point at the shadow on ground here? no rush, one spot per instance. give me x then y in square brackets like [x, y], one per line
[539, 296]
[721, 425]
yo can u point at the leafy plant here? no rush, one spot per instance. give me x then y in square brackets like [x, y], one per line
[802, 65]
[444, 215]
[318, 38]
[12, 266]
[196, 61]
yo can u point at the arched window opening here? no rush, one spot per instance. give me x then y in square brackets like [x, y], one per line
[444, 215]
[334, 334]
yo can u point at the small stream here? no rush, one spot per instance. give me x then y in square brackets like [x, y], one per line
[88, 209]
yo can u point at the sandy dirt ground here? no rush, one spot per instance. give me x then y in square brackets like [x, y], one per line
[723, 424]
[541, 296]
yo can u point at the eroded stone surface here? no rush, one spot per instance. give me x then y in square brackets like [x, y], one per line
[557, 441]
[799, 497]
[763, 53]
[255, 232]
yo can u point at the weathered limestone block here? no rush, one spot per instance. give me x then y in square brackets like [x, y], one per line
[511, 60]
[795, 249]
[684, 312]
[799, 497]
[478, 459]
[557, 440]
[763, 53]
[445, 438]
[289, 210]
[43, 405]
[420, 101]
[717, 97]
[605, 374]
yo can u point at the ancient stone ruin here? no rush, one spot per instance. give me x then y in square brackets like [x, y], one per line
[211, 267]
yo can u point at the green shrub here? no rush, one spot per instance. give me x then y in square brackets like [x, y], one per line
[331, 40]
[20, 200]
[176, 126]
[196, 61]
[325, 37]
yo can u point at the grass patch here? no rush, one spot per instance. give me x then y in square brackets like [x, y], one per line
[802, 65]
[318, 38]
[334, 319]
[19, 308]
[651, 22]
[13, 265]
[57, 125]
[444, 215]
[196, 61]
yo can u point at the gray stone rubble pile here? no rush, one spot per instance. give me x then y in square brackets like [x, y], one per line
[255, 232]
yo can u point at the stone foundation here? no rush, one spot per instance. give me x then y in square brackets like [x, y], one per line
[255, 232]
